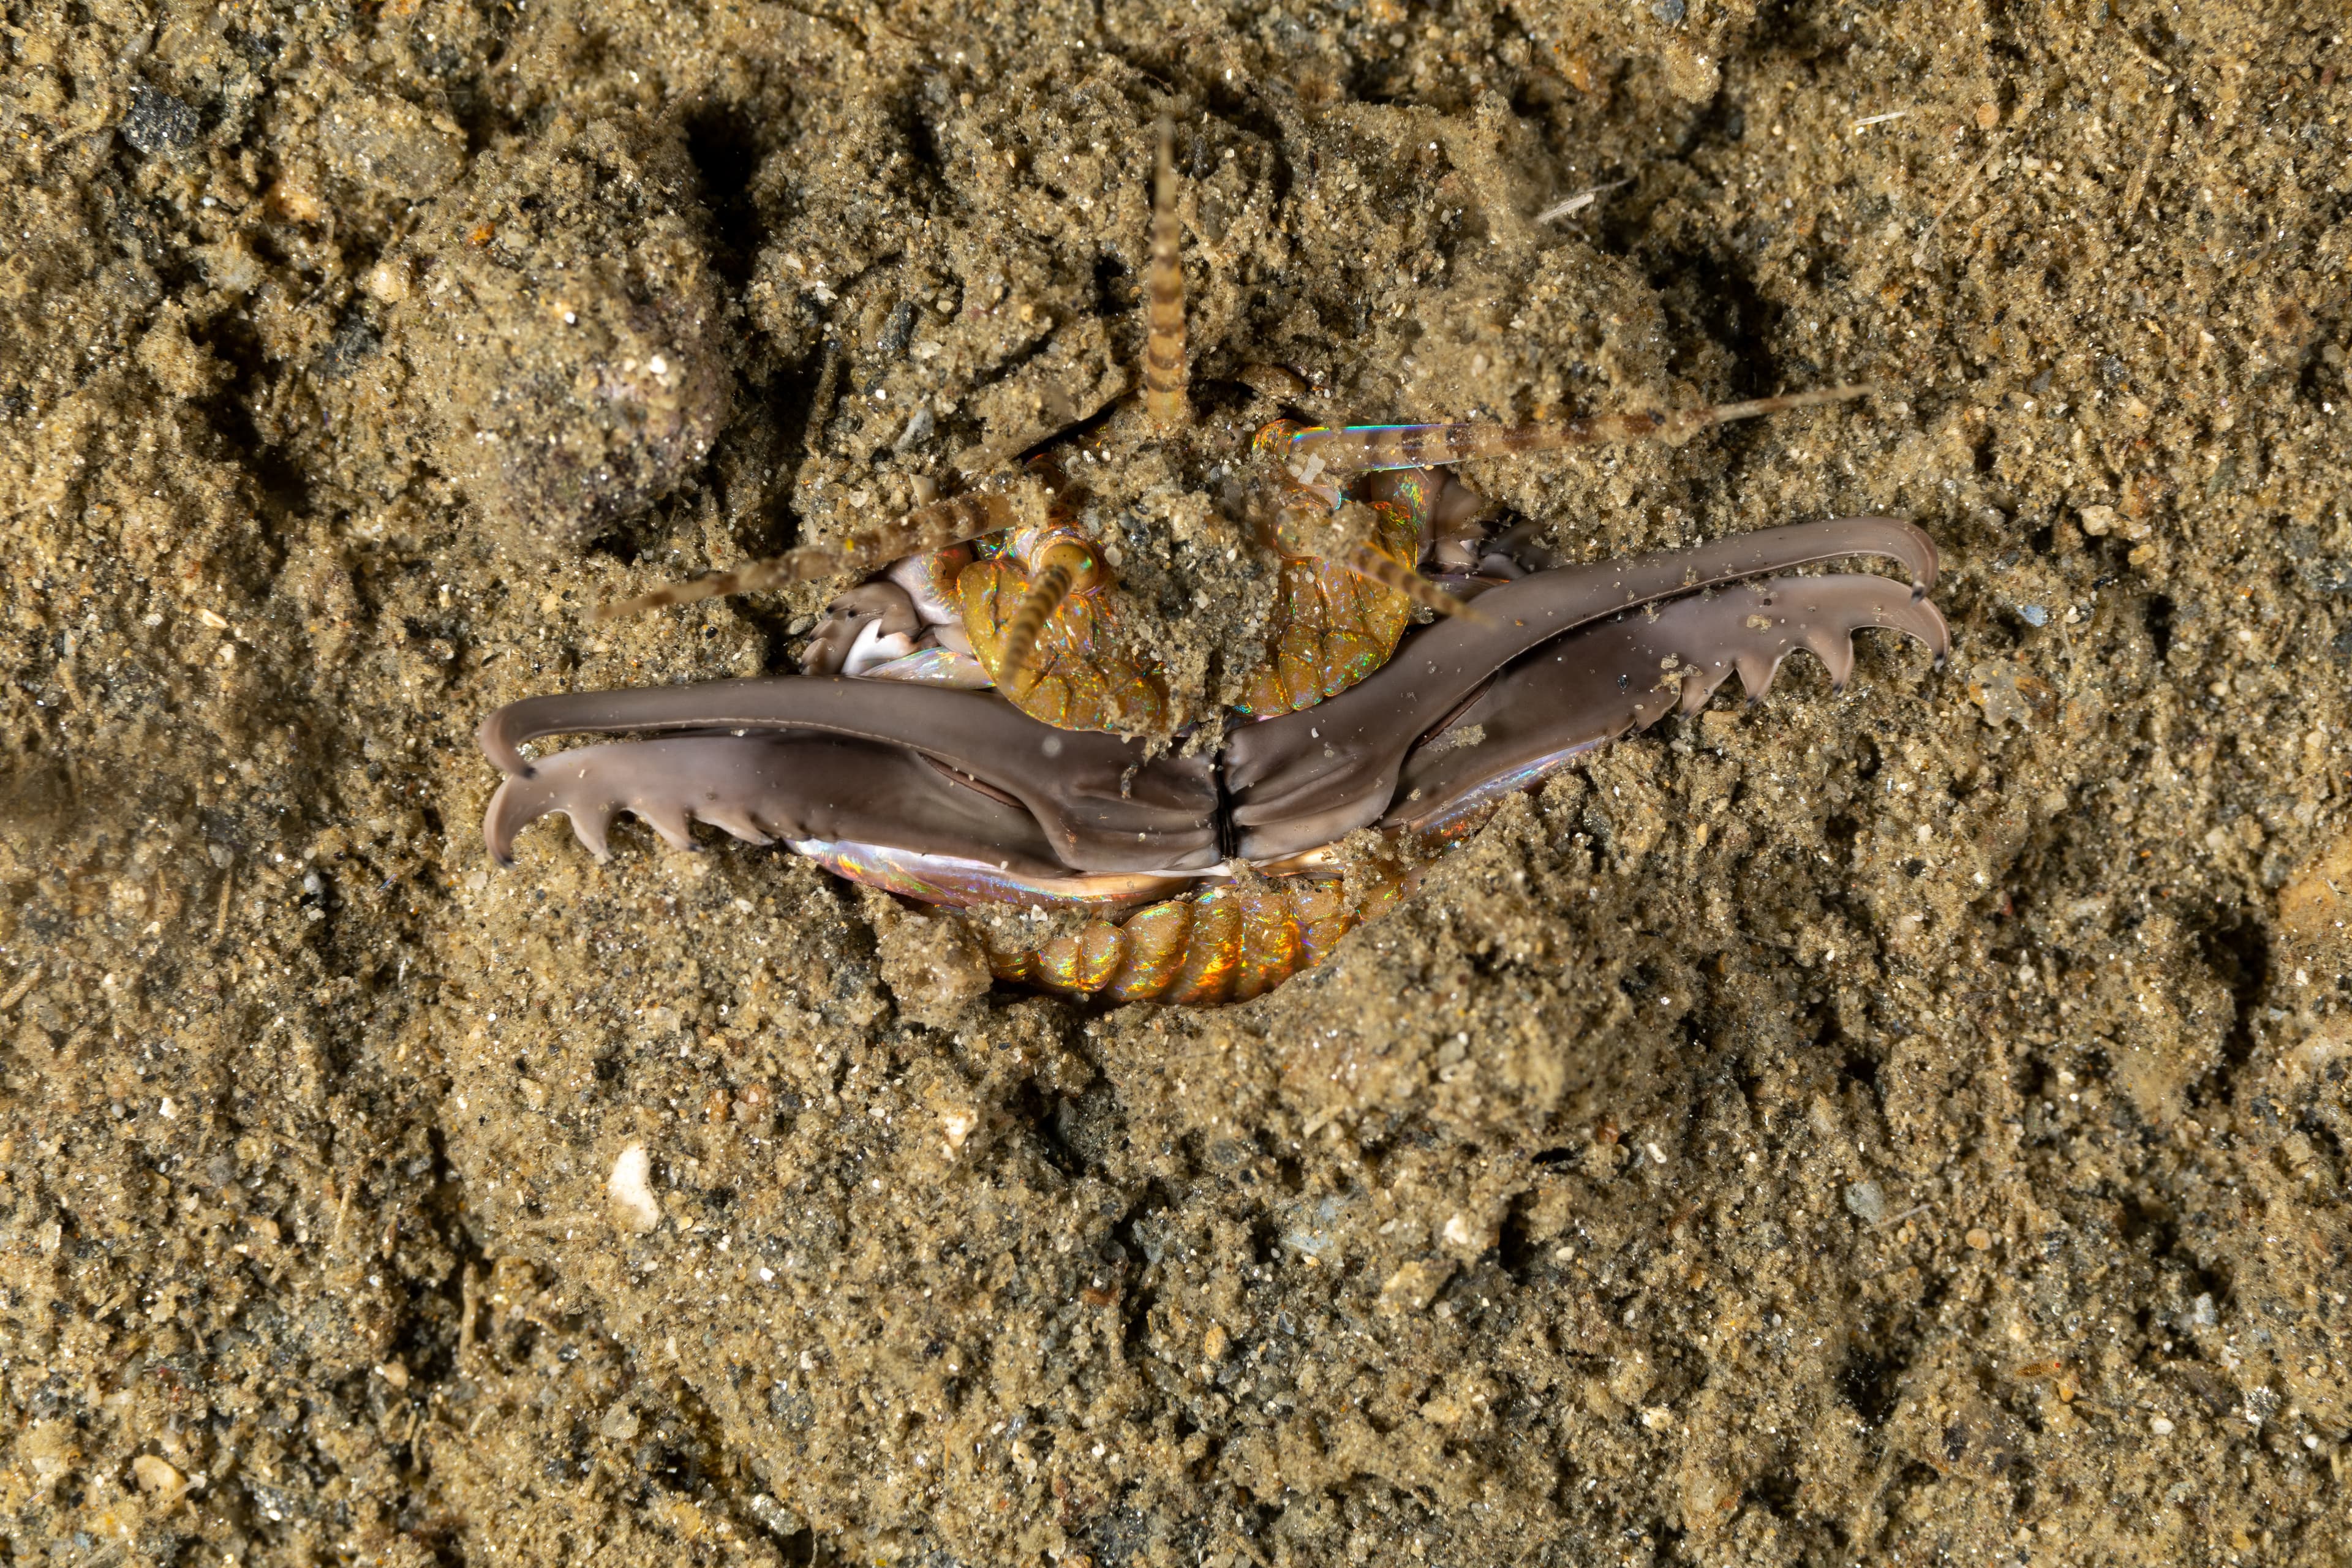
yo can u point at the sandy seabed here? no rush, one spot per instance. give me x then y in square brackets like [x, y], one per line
[1908, 1124]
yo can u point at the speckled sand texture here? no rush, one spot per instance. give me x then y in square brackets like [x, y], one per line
[1910, 1125]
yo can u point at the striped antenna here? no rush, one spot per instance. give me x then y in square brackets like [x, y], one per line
[1163, 285]
[955, 521]
[1356, 448]
[1064, 564]
[1368, 563]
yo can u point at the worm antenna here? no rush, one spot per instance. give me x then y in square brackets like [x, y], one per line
[1724, 413]
[1355, 448]
[1037, 606]
[1164, 335]
[925, 529]
[1366, 562]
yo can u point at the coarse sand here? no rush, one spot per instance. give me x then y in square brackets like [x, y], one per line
[1903, 1125]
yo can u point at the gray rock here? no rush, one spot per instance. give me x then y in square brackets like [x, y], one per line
[158, 122]
[560, 327]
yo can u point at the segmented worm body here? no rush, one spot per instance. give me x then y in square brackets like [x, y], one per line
[970, 726]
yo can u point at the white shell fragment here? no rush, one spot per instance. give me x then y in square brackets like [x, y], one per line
[631, 1192]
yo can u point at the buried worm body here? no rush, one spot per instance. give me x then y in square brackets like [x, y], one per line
[964, 735]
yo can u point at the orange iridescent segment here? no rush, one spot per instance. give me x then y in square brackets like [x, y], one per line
[1155, 939]
[1333, 624]
[1081, 960]
[1212, 950]
[1332, 628]
[1041, 607]
[1075, 674]
[1266, 949]
[1226, 943]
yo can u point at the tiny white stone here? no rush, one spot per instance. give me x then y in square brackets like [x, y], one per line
[631, 1191]
[2160, 1427]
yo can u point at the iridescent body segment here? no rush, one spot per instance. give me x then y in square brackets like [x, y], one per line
[1333, 624]
[1229, 942]
[1075, 675]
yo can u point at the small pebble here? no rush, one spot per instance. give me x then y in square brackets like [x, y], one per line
[1980, 1240]
[157, 1476]
[2160, 1427]
[958, 1122]
[158, 121]
[632, 1191]
[1866, 1201]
